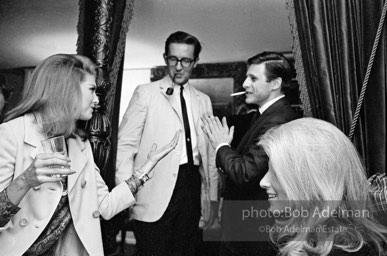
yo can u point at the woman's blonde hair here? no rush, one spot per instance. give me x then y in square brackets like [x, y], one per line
[318, 166]
[53, 93]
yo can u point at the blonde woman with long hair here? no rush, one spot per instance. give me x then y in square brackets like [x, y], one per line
[317, 183]
[51, 204]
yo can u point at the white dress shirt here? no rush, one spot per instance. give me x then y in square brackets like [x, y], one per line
[194, 141]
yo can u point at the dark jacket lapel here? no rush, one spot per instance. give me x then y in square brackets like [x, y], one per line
[256, 124]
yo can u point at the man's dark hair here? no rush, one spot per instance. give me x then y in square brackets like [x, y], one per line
[181, 37]
[276, 65]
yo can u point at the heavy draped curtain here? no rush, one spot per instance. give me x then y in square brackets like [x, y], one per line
[332, 42]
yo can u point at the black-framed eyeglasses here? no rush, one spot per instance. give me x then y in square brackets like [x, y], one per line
[185, 62]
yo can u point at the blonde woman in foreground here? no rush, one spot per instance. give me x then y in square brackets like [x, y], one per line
[317, 178]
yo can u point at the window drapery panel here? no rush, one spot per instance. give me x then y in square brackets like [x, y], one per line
[335, 39]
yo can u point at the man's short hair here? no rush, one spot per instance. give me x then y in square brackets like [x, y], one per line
[181, 37]
[276, 65]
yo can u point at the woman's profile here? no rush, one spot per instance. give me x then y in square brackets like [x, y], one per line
[36, 217]
[314, 169]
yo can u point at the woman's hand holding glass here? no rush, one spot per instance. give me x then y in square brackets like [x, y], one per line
[57, 145]
[41, 169]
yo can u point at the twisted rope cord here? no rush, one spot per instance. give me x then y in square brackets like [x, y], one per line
[369, 67]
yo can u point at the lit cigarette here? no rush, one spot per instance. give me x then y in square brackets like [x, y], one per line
[237, 93]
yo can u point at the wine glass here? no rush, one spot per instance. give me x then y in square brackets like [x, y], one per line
[57, 145]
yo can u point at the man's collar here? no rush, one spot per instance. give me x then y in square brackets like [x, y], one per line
[269, 103]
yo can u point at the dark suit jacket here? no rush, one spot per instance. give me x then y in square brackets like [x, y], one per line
[241, 124]
[244, 168]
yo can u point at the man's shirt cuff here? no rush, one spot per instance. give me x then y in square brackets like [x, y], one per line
[221, 145]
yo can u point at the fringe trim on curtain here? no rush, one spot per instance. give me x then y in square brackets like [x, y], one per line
[118, 58]
[304, 96]
[80, 26]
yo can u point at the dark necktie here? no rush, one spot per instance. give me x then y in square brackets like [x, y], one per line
[186, 127]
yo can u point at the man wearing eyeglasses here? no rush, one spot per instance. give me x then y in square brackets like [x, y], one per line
[183, 185]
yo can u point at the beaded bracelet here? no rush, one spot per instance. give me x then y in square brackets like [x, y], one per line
[134, 183]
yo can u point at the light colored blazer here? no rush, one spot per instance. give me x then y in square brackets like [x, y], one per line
[153, 117]
[88, 194]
